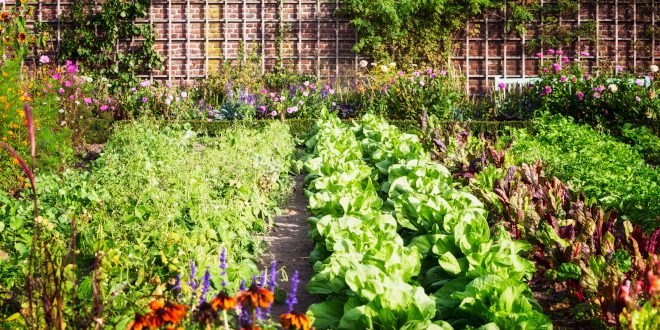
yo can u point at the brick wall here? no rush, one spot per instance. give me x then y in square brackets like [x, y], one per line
[196, 36]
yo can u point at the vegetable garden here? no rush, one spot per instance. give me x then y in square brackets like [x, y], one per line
[130, 203]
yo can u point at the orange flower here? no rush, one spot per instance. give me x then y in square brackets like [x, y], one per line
[4, 16]
[22, 37]
[295, 320]
[255, 296]
[148, 321]
[171, 312]
[223, 302]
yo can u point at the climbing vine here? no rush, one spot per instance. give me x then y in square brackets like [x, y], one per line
[95, 30]
[411, 31]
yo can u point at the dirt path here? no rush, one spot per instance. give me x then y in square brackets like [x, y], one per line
[290, 246]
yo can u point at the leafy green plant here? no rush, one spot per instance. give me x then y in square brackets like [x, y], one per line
[644, 141]
[95, 29]
[594, 163]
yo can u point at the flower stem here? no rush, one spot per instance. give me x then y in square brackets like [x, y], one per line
[224, 317]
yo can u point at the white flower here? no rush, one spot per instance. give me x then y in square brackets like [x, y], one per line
[373, 64]
[613, 88]
[384, 68]
[392, 64]
[654, 68]
[63, 123]
[90, 80]
[184, 95]
[77, 102]
[61, 111]
[364, 63]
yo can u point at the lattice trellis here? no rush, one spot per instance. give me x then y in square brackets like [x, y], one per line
[196, 36]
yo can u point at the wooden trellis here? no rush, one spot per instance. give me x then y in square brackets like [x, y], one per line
[195, 36]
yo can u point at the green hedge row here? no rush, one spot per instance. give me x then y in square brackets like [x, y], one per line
[302, 127]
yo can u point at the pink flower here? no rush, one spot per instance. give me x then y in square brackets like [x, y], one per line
[134, 90]
[400, 73]
[551, 51]
[72, 68]
[501, 86]
[305, 93]
[443, 72]
[60, 91]
[416, 73]
[88, 101]
[392, 80]
[556, 66]
[596, 95]
[639, 82]
[301, 102]
[580, 95]
[539, 55]
[262, 109]
[547, 89]
[56, 76]
[145, 100]
[145, 84]
[600, 88]
[560, 52]
[638, 99]
[44, 59]
[562, 79]
[72, 97]
[68, 83]
[168, 84]
[274, 113]
[264, 91]
[168, 101]
[104, 107]
[422, 83]
[331, 91]
[565, 59]
[584, 54]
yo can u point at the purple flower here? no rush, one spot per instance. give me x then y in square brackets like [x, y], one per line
[168, 84]
[272, 276]
[434, 75]
[556, 66]
[501, 86]
[291, 299]
[331, 91]
[206, 284]
[145, 99]
[104, 107]
[262, 109]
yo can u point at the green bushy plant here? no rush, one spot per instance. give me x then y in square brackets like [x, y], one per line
[594, 163]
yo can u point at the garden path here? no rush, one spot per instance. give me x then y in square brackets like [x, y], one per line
[289, 244]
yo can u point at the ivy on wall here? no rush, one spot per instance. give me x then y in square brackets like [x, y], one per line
[94, 30]
[413, 31]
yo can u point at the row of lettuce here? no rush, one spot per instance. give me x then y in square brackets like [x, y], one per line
[158, 199]
[593, 253]
[400, 245]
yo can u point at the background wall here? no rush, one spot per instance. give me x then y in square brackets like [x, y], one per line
[195, 36]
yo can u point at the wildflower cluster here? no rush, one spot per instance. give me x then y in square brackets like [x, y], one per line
[154, 98]
[607, 95]
[15, 35]
[249, 308]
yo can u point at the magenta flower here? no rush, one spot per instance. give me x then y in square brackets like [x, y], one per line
[562, 79]
[104, 107]
[168, 84]
[501, 86]
[262, 109]
[565, 59]
[88, 101]
[556, 66]
[584, 54]
[539, 55]
[547, 89]
[145, 84]
[551, 51]
[68, 83]
[560, 52]
[580, 95]
[600, 88]
[145, 99]
[264, 91]
[56, 76]
[60, 91]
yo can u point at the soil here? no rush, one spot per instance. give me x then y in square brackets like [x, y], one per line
[289, 244]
